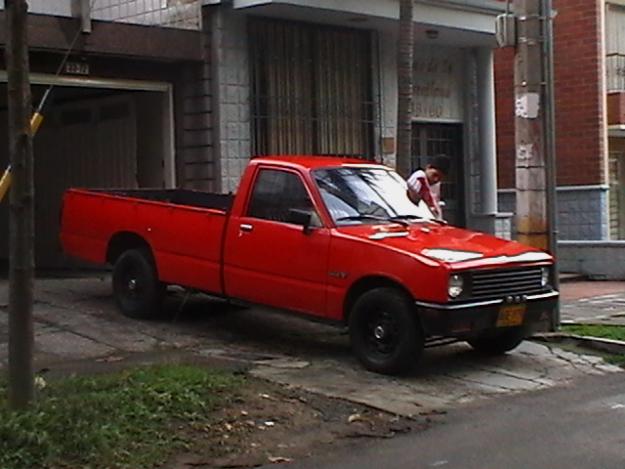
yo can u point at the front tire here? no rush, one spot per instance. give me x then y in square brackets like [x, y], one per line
[137, 290]
[384, 331]
[499, 343]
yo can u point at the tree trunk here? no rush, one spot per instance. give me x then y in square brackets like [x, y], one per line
[21, 222]
[405, 59]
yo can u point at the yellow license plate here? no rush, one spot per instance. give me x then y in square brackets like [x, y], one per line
[511, 315]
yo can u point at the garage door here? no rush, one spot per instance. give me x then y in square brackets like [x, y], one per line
[87, 144]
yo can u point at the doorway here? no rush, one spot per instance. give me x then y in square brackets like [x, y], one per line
[94, 138]
[429, 140]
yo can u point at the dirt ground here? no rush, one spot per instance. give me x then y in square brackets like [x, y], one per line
[268, 423]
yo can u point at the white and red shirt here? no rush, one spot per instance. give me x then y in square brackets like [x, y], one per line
[430, 193]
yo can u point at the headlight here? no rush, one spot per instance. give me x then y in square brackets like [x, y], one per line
[544, 276]
[456, 284]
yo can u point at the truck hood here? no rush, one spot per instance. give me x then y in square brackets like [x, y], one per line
[447, 244]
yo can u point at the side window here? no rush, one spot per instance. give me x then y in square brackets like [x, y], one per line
[275, 193]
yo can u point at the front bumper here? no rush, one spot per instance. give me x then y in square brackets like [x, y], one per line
[471, 318]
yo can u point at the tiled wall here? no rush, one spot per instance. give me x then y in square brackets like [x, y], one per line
[471, 136]
[183, 14]
[598, 260]
[196, 149]
[582, 212]
[229, 34]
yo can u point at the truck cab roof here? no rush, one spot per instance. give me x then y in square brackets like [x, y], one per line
[312, 161]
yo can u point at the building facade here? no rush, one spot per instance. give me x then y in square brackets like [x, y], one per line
[182, 93]
[118, 114]
[301, 77]
[589, 64]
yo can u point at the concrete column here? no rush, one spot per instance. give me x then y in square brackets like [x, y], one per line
[488, 142]
[231, 91]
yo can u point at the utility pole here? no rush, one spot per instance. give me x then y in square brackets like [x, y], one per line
[531, 181]
[405, 80]
[21, 221]
[535, 128]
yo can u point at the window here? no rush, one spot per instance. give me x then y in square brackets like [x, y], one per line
[311, 90]
[275, 193]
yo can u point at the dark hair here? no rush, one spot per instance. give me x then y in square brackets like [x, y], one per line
[440, 162]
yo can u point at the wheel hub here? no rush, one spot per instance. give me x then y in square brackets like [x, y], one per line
[132, 284]
[379, 332]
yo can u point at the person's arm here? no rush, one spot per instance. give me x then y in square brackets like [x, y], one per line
[435, 190]
[419, 187]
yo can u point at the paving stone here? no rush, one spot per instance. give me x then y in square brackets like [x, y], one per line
[77, 319]
[449, 376]
[68, 345]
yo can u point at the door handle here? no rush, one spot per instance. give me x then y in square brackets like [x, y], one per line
[246, 227]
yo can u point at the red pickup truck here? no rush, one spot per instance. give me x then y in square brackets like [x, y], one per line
[325, 237]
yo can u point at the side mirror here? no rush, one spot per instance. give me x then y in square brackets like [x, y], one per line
[300, 217]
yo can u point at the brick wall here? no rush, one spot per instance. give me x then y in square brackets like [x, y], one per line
[579, 97]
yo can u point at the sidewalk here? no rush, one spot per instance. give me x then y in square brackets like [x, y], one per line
[592, 302]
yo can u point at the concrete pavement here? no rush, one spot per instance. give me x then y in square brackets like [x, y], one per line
[593, 302]
[77, 324]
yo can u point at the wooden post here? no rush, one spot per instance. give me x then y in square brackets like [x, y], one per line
[405, 80]
[21, 221]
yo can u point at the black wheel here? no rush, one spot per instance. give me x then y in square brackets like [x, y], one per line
[138, 292]
[499, 343]
[384, 331]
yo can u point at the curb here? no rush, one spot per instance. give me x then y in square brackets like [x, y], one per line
[570, 277]
[596, 343]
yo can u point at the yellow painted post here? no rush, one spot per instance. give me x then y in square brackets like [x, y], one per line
[5, 181]
[35, 123]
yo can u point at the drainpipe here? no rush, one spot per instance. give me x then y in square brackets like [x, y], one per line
[488, 143]
[550, 143]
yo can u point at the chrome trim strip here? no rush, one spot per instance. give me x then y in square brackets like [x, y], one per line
[477, 304]
[543, 296]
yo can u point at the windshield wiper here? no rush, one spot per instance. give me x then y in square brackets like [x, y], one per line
[418, 217]
[373, 217]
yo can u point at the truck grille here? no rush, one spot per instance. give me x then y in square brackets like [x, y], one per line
[500, 283]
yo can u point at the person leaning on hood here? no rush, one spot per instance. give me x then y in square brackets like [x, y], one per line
[425, 184]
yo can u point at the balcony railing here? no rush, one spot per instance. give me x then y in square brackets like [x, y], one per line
[181, 14]
[615, 71]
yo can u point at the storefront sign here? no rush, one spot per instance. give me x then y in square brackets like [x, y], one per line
[438, 84]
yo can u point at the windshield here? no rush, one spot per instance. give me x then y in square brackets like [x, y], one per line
[357, 195]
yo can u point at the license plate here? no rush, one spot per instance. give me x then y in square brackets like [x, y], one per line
[511, 315]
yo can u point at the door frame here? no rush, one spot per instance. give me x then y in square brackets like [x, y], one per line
[169, 150]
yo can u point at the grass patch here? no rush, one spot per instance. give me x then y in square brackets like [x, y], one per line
[131, 419]
[603, 332]
[591, 330]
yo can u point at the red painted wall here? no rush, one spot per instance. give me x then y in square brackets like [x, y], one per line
[579, 97]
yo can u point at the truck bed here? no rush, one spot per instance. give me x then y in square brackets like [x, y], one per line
[177, 197]
[183, 228]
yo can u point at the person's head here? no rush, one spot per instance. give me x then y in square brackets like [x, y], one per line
[437, 169]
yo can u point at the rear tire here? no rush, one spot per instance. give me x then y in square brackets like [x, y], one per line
[384, 331]
[137, 290]
[499, 343]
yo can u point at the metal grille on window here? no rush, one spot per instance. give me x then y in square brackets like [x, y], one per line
[311, 90]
